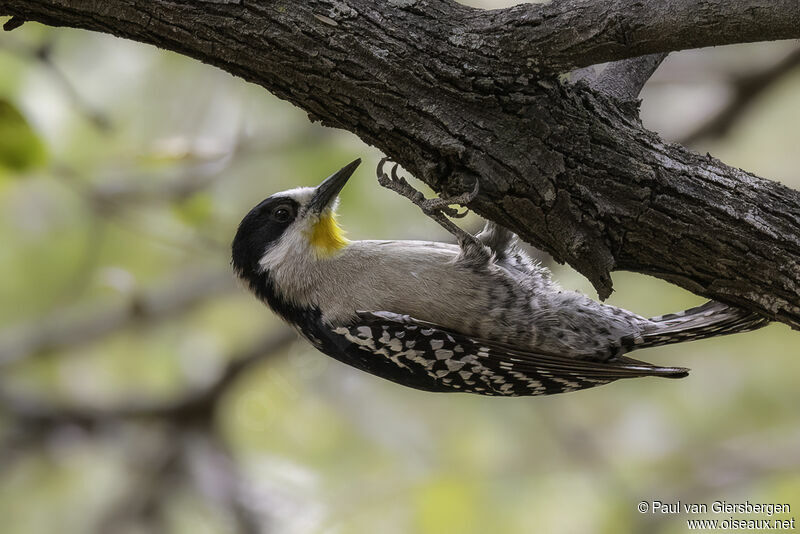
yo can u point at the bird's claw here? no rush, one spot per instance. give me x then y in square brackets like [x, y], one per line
[444, 204]
[437, 209]
[430, 206]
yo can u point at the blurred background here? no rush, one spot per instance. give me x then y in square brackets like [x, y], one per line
[142, 390]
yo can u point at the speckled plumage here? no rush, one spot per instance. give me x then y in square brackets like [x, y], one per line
[481, 318]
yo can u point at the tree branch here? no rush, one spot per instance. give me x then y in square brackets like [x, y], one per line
[213, 469]
[193, 408]
[194, 445]
[154, 475]
[73, 327]
[456, 95]
[622, 80]
[746, 90]
[562, 35]
[556, 36]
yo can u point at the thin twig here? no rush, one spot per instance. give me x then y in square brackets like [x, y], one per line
[43, 55]
[747, 89]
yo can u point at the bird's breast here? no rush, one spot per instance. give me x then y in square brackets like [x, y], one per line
[425, 281]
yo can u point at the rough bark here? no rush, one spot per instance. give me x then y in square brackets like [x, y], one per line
[623, 79]
[456, 94]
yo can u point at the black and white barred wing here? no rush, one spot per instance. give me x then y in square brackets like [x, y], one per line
[426, 356]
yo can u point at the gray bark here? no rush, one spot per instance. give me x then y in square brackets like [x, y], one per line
[623, 79]
[456, 94]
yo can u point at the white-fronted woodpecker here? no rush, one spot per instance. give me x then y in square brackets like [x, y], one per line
[478, 317]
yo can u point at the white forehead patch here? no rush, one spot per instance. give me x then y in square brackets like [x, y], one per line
[302, 195]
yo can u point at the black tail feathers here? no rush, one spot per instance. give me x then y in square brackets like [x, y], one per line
[709, 320]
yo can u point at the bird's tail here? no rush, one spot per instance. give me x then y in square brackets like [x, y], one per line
[709, 320]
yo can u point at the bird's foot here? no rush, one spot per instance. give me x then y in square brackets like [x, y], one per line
[438, 209]
[443, 205]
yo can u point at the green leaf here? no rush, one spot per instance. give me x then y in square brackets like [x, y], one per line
[21, 149]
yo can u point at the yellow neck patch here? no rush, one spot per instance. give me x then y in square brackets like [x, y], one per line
[327, 237]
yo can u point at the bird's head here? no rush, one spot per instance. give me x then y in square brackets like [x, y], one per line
[298, 221]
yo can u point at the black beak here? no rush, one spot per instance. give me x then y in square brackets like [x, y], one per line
[328, 189]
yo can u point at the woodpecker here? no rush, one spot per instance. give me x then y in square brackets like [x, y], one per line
[478, 316]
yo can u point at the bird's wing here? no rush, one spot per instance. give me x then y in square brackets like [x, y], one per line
[450, 361]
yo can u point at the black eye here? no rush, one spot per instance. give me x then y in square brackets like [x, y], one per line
[281, 214]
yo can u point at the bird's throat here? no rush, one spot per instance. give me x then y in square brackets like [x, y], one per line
[326, 236]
